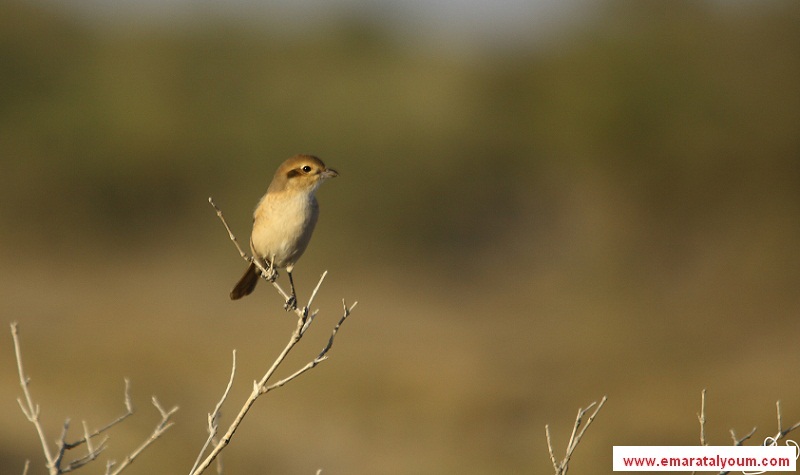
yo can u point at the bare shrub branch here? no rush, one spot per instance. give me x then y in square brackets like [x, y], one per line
[30, 409]
[771, 440]
[163, 425]
[781, 431]
[304, 319]
[55, 460]
[213, 419]
[737, 441]
[575, 438]
[701, 418]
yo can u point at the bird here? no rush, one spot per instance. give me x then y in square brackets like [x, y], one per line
[283, 221]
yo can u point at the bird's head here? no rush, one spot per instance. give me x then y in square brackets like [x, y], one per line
[301, 173]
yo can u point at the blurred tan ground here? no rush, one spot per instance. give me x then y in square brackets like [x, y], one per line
[525, 232]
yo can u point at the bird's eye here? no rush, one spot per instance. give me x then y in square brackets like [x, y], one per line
[306, 168]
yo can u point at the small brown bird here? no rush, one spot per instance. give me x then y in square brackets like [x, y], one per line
[284, 221]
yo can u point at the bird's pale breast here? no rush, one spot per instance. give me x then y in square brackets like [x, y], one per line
[282, 227]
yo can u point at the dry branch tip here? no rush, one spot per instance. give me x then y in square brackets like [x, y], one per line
[575, 437]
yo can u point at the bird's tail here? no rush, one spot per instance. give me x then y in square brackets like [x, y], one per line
[247, 283]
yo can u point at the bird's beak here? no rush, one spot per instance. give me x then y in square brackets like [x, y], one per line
[330, 173]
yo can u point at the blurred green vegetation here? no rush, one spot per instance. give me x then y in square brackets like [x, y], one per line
[528, 228]
[691, 113]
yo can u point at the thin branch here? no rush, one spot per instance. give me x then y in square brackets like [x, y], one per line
[575, 438]
[702, 418]
[738, 442]
[574, 442]
[320, 358]
[91, 452]
[230, 233]
[87, 438]
[314, 293]
[62, 446]
[91, 456]
[550, 448]
[346, 313]
[163, 425]
[781, 431]
[303, 313]
[128, 412]
[213, 417]
[30, 409]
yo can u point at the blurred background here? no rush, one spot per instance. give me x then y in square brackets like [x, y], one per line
[540, 203]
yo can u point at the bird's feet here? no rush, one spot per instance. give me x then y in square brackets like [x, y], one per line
[291, 304]
[271, 274]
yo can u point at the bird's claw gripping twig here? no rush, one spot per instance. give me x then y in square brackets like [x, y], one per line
[291, 304]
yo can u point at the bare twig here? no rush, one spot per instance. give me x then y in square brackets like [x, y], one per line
[231, 235]
[781, 431]
[128, 413]
[321, 357]
[87, 438]
[28, 407]
[702, 418]
[737, 442]
[575, 438]
[161, 427]
[92, 451]
[213, 417]
[62, 445]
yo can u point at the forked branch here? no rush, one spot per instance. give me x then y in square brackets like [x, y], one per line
[562, 466]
